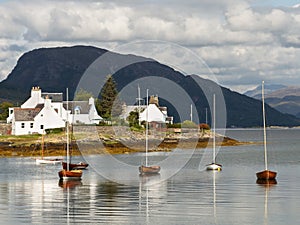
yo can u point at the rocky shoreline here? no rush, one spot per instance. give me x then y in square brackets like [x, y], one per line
[109, 140]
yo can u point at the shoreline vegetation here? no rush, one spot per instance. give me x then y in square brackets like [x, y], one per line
[90, 140]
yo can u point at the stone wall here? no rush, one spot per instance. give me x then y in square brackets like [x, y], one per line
[5, 128]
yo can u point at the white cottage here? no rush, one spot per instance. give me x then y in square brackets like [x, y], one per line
[23, 120]
[47, 118]
[153, 114]
[47, 111]
[156, 114]
[83, 112]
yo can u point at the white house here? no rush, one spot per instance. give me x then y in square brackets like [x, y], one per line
[156, 113]
[83, 112]
[47, 111]
[153, 114]
[23, 120]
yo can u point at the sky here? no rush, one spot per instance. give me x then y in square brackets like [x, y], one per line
[242, 42]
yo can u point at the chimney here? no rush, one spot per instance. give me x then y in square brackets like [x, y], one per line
[36, 93]
[91, 101]
[47, 103]
[153, 100]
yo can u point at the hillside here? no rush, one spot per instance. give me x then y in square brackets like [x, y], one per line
[285, 99]
[54, 69]
[269, 88]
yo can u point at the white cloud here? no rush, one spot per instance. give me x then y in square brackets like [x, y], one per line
[236, 39]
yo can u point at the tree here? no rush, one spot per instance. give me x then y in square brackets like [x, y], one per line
[4, 110]
[82, 95]
[109, 105]
[133, 119]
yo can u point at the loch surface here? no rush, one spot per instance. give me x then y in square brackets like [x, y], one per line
[32, 194]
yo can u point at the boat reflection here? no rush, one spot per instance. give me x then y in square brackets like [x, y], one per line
[150, 190]
[69, 183]
[266, 183]
[149, 179]
[215, 173]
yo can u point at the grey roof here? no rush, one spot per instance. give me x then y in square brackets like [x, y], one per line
[25, 114]
[82, 105]
[40, 106]
[55, 97]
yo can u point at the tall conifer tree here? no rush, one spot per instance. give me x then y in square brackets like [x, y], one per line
[109, 99]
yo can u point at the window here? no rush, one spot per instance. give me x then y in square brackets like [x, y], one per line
[77, 110]
[31, 125]
[42, 127]
[22, 125]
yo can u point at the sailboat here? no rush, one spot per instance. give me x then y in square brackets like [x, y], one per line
[43, 160]
[265, 174]
[214, 165]
[68, 174]
[146, 169]
[73, 166]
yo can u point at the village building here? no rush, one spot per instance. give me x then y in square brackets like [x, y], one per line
[154, 114]
[48, 111]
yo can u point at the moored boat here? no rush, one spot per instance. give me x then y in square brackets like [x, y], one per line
[154, 169]
[70, 174]
[265, 174]
[47, 161]
[149, 169]
[44, 160]
[214, 165]
[72, 166]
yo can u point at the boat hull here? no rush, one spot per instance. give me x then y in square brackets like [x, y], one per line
[214, 166]
[149, 169]
[77, 166]
[266, 175]
[47, 161]
[70, 174]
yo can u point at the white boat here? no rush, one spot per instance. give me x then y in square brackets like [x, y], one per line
[265, 174]
[44, 160]
[146, 169]
[214, 165]
[47, 161]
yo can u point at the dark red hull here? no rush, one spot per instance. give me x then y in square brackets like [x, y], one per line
[266, 175]
[74, 166]
[149, 169]
[70, 174]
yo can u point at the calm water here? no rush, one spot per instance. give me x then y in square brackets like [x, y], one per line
[31, 194]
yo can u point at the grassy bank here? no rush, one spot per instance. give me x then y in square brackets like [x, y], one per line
[107, 140]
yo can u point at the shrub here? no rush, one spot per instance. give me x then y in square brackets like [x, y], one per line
[188, 124]
[204, 126]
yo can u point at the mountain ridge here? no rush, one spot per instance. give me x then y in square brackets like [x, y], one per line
[54, 69]
[285, 99]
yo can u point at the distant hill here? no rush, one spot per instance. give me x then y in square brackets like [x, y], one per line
[285, 99]
[54, 69]
[269, 88]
